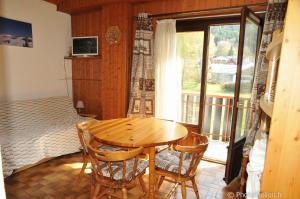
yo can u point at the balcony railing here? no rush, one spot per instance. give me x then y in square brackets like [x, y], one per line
[218, 114]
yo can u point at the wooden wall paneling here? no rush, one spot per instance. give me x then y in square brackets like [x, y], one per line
[86, 72]
[103, 83]
[77, 6]
[282, 174]
[89, 91]
[116, 60]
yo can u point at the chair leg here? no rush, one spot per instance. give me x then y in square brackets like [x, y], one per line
[83, 169]
[183, 190]
[92, 191]
[124, 192]
[195, 188]
[92, 187]
[142, 183]
[96, 191]
[161, 180]
[85, 162]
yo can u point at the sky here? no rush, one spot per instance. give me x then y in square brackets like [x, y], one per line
[15, 28]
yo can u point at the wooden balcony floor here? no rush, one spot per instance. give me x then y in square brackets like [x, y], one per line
[217, 150]
[56, 179]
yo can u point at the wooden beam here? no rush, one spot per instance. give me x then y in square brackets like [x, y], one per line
[282, 174]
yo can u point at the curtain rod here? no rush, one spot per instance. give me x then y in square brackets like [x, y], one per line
[205, 10]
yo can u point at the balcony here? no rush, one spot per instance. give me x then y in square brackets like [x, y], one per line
[217, 120]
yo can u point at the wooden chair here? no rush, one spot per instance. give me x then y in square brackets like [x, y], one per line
[116, 170]
[181, 163]
[83, 134]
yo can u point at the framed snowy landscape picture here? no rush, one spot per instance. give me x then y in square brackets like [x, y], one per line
[15, 33]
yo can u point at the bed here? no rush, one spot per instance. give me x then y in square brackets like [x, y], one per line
[32, 130]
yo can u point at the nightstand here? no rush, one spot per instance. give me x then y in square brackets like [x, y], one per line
[94, 116]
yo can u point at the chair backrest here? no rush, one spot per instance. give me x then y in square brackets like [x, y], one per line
[83, 133]
[195, 151]
[108, 159]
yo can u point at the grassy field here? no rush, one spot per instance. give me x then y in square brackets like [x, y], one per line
[212, 89]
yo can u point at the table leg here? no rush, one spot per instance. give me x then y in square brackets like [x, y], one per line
[151, 173]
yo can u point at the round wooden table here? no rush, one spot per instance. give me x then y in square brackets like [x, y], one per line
[136, 132]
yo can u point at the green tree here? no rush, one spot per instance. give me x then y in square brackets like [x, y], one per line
[231, 51]
[223, 48]
[190, 49]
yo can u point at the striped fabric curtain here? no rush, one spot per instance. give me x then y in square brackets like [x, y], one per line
[142, 94]
[274, 19]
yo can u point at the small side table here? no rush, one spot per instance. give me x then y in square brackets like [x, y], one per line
[94, 116]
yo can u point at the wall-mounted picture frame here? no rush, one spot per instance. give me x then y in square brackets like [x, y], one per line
[15, 33]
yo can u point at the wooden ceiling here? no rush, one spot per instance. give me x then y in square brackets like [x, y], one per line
[74, 6]
[104, 1]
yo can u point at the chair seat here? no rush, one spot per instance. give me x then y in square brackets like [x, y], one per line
[161, 148]
[117, 169]
[105, 147]
[169, 160]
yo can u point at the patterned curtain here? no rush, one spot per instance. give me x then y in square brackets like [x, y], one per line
[142, 91]
[274, 19]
